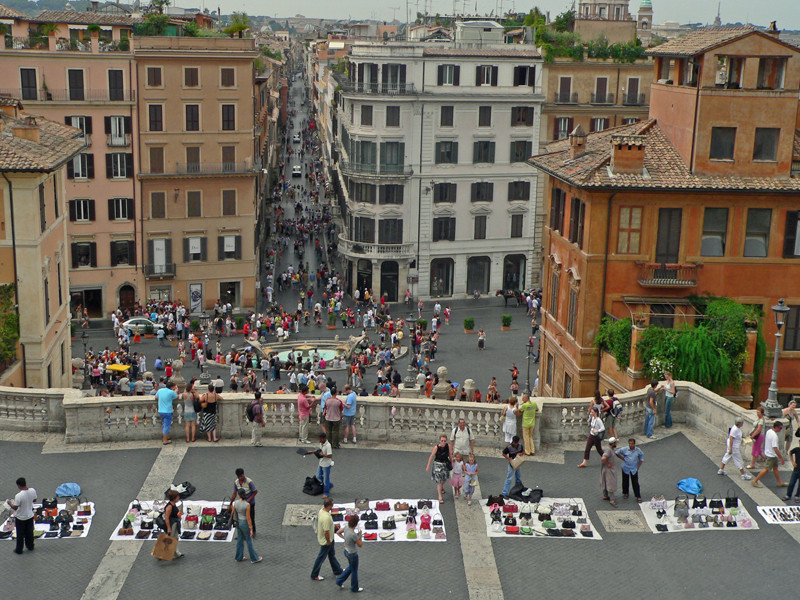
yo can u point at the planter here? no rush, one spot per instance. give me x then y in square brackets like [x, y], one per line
[504, 328]
[331, 326]
[469, 331]
[149, 335]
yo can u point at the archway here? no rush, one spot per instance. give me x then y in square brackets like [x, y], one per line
[390, 279]
[441, 277]
[478, 271]
[364, 275]
[127, 296]
[514, 272]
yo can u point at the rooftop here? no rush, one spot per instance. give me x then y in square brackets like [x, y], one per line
[83, 18]
[56, 144]
[12, 13]
[701, 40]
[483, 52]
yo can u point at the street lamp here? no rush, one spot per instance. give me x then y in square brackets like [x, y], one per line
[772, 409]
[529, 346]
[411, 378]
[85, 385]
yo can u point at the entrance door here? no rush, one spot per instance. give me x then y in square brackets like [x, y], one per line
[390, 280]
[364, 275]
[514, 272]
[127, 296]
[159, 256]
[442, 277]
[478, 268]
[633, 90]
[668, 243]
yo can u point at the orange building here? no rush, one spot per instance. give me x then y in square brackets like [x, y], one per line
[701, 199]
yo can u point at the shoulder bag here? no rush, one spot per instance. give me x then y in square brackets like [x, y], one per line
[362, 503]
[401, 506]
[731, 499]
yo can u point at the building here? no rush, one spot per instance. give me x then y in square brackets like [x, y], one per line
[429, 143]
[608, 18]
[701, 198]
[34, 251]
[644, 22]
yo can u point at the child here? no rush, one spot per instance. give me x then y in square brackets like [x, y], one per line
[457, 478]
[471, 470]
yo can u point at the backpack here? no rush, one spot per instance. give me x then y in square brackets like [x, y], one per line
[468, 430]
[616, 408]
[250, 412]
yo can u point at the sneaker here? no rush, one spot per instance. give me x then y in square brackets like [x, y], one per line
[355, 441]
[317, 578]
[344, 441]
[756, 484]
[747, 476]
[359, 590]
[783, 484]
[721, 472]
[305, 441]
[785, 498]
[258, 560]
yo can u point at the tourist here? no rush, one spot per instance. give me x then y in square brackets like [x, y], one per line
[333, 416]
[511, 452]
[349, 414]
[172, 518]
[352, 542]
[165, 397]
[325, 532]
[757, 435]
[442, 460]
[773, 453]
[481, 339]
[457, 477]
[304, 412]
[23, 516]
[671, 394]
[528, 410]
[245, 527]
[650, 407]
[608, 472]
[732, 450]
[632, 459]
[596, 433]
[325, 455]
[790, 413]
[471, 478]
[608, 413]
[258, 424]
[189, 397]
[242, 483]
[794, 456]
[208, 420]
[509, 413]
[461, 439]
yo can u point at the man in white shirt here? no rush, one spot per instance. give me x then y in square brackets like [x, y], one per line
[461, 439]
[732, 450]
[23, 505]
[773, 453]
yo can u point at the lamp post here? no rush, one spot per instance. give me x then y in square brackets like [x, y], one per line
[529, 346]
[411, 378]
[772, 409]
[85, 385]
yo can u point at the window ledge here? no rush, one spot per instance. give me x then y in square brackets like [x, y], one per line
[723, 160]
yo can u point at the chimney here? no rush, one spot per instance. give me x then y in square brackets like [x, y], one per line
[95, 6]
[27, 130]
[627, 154]
[577, 143]
[773, 30]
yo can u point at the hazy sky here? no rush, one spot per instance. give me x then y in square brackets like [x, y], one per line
[786, 12]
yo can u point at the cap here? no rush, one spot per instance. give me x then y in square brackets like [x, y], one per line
[612, 440]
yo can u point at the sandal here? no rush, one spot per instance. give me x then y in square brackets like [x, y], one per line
[613, 503]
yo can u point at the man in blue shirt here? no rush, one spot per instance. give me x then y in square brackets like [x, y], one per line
[632, 459]
[326, 394]
[165, 397]
[349, 413]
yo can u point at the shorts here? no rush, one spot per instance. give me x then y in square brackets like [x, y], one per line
[166, 422]
[610, 421]
[190, 416]
[347, 421]
[772, 462]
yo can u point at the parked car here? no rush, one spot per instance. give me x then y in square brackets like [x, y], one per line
[296, 139]
[297, 171]
[142, 322]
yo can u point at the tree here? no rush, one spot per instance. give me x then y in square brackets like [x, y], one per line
[239, 23]
[191, 30]
[158, 6]
[565, 21]
[154, 24]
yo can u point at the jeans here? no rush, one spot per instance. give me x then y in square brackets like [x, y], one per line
[667, 408]
[512, 473]
[244, 537]
[326, 482]
[327, 550]
[351, 571]
[795, 478]
[632, 478]
[649, 421]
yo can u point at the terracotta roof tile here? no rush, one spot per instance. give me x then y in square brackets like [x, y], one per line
[57, 143]
[10, 101]
[12, 13]
[664, 168]
[699, 41]
[796, 152]
[84, 18]
[481, 52]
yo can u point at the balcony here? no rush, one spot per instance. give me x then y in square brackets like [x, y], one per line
[166, 271]
[633, 99]
[667, 275]
[566, 98]
[69, 95]
[384, 89]
[227, 168]
[118, 141]
[375, 251]
[375, 170]
[602, 99]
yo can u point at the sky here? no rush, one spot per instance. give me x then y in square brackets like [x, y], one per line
[785, 12]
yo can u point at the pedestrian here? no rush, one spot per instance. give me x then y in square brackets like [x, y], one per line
[23, 517]
[461, 439]
[481, 339]
[245, 483]
[789, 413]
[208, 420]
[165, 397]
[597, 431]
[608, 412]
[352, 542]
[757, 435]
[189, 398]
[457, 478]
[794, 456]
[650, 408]
[333, 416]
[325, 455]
[773, 453]
[304, 412]
[732, 450]
[471, 478]
[243, 516]
[349, 413]
[528, 410]
[508, 416]
[511, 452]
[442, 460]
[325, 532]
[172, 518]
[671, 393]
[632, 459]
[608, 472]
[257, 424]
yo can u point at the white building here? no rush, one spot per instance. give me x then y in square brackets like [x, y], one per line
[429, 147]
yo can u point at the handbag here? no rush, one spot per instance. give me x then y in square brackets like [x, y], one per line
[437, 520]
[681, 508]
[544, 516]
[688, 525]
[425, 521]
[382, 506]
[586, 531]
[188, 535]
[147, 524]
[554, 532]
[662, 527]
[746, 523]
[548, 524]
[425, 504]
[438, 530]
[510, 507]
[699, 501]
[495, 500]
[401, 506]
[387, 535]
[389, 524]
[220, 535]
[512, 529]
[337, 517]
[424, 534]
[581, 520]
[496, 514]
[525, 531]
[369, 515]
[575, 508]
[440, 536]
[731, 499]
[696, 518]
[362, 503]
[730, 524]
[561, 509]
[190, 525]
[411, 534]
[204, 535]
[208, 510]
[658, 503]
[412, 511]
[411, 523]
[716, 501]
[568, 524]
[370, 525]
[142, 535]
[206, 522]
[510, 521]
[125, 531]
[49, 503]
[72, 504]
[568, 532]
[536, 495]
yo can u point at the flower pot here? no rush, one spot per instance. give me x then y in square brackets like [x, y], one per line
[331, 326]
[504, 328]
[469, 331]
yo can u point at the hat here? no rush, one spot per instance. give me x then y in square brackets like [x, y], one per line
[612, 440]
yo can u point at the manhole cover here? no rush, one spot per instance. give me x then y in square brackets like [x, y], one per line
[623, 521]
[300, 515]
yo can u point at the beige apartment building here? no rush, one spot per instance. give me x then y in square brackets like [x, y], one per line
[34, 253]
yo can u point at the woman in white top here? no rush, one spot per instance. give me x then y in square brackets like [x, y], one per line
[509, 418]
[596, 432]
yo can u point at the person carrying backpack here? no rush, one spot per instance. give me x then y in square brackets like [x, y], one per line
[461, 439]
[255, 416]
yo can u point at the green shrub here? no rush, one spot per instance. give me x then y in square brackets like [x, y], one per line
[614, 336]
[239, 322]
[149, 329]
[469, 323]
[506, 320]
[331, 318]
[195, 325]
[124, 44]
[423, 324]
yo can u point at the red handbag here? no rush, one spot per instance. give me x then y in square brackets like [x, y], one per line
[512, 530]
[210, 511]
[382, 506]
[370, 537]
[192, 518]
[510, 508]
[425, 521]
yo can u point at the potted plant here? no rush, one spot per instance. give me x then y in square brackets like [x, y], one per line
[505, 321]
[149, 330]
[331, 320]
[239, 323]
[469, 325]
[93, 29]
[124, 45]
[423, 324]
[72, 330]
[195, 325]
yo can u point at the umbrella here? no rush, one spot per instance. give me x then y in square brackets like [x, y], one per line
[116, 367]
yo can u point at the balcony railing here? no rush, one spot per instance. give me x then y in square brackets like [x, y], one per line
[566, 98]
[73, 95]
[367, 250]
[602, 98]
[667, 275]
[633, 99]
[118, 141]
[166, 271]
[387, 89]
[212, 168]
[351, 168]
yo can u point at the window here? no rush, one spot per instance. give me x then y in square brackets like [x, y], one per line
[229, 246]
[60, 294]
[448, 75]
[662, 315]
[153, 76]
[158, 205]
[120, 209]
[116, 85]
[770, 73]
[722, 143]
[47, 317]
[446, 116]
[362, 192]
[81, 167]
[444, 192]
[564, 93]
[364, 229]
[228, 117]
[75, 81]
[194, 204]
[576, 216]
[521, 151]
[756, 241]
[195, 249]
[192, 159]
[228, 203]
[766, 143]
[390, 231]
[393, 116]
[484, 116]
[791, 341]
[446, 153]
[444, 228]
[191, 77]
[521, 115]
[366, 116]
[630, 229]
[558, 201]
[519, 190]
[28, 85]
[630, 120]
[156, 159]
[80, 122]
[227, 77]
[229, 159]
[482, 192]
[563, 125]
[791, 241]
[525, 76]
[550, 368]
[392, 157]
[42, 209]
[192, 117]
[480, 227]
[567, 386]
[155, 117]
[516, 225]
[601, 91]
[118, 130]
[485, 75]
[555, 281]
[56, 203]
[391, 194]
[84, 254]
[715, 232]
[599, 124]
[483, 151]
[119, 165]
[123, 253]
[572, 314]
[81, 210]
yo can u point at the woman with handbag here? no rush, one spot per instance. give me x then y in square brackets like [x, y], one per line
[757, 435]
[189, 397]
[442, 464]
[244, 527]
[509, 415]
[208, 421]
[597, 431]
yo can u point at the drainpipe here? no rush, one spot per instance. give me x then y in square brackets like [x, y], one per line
[696, 111]
[419, 192]
[16, 280]
[605, 279]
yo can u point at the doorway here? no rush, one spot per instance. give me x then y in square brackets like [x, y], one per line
[229, 291]
[668, 243]
[514, 272]
[390, 279]
[478, 271]
[364, 275]
[91, 299]
[127, 296]
[442, 277]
